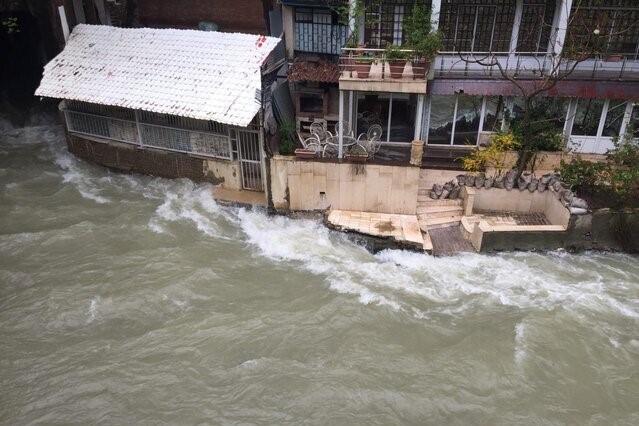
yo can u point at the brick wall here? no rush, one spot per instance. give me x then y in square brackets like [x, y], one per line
[129, 158]
[246, 16]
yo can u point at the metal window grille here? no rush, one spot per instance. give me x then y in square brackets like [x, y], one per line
[616, 21]
[318, 31]
[182, 134]
[477, 25]
[384, 20]
[536, 24]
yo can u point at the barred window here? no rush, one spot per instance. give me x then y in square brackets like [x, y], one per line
[536, 25]
[477, 25]
[384, 21]
[319, 31]
[617, 23]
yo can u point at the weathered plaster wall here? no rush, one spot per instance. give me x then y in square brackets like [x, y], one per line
[548, 161]
[313, 185]
[602, 229]
[237, 16]
[546, 202]
[130, 158]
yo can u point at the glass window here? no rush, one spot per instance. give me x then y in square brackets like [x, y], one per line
[634, 121]
[587, 117]
[467, 120]
[614, 118]
[372, 108]
[477, 25]
[403, 117]
[536, 23]
[441, 119]
[494, 113]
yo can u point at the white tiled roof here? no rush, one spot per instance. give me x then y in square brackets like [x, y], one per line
[200, 74]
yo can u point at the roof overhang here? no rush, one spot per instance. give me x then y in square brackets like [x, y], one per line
[205, 75]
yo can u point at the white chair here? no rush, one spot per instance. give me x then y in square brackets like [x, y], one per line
[312, 143]
[318, 130]
[344, 128]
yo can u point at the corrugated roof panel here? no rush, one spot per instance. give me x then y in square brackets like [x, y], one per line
[205, 75]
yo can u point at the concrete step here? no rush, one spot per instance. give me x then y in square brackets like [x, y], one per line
[432, 226]
[439, 211]
[434, 221]
[428, 244]
[425, 200]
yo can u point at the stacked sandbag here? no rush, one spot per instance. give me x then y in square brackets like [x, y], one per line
[549, 181]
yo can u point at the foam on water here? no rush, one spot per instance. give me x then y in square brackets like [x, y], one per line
[512, 280]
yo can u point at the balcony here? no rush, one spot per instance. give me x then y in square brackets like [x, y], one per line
[368, 70]
[529, 65]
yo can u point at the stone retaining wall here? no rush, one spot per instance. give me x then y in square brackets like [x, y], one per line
[155, 162]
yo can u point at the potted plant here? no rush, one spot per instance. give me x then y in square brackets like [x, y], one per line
[362, 64]
[396, 58]
[357, 154]
[422, 39]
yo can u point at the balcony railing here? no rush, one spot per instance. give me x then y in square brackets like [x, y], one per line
[364, 63]
[530, 65]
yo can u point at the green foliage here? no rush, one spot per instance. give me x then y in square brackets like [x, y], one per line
[10, 25]
[544, 136]
[618, 177]
[420, 35]
[494, 155]
[287, 132]
[395, 53]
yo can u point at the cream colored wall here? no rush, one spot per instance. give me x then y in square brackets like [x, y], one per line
[496, 199]
[287, 25]
[382, 189]
[549, 161]
[227, 173]
[555, 211]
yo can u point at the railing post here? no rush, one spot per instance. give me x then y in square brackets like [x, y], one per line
[137, 126]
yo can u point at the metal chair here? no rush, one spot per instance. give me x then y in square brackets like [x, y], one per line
[345, 128]
[318, 130]
[312, 143]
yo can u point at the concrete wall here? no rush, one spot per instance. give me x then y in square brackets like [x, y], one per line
[133, 159]
[546, 202]
[602, 229]
[232, 16]
[549, 161]
[314, 185]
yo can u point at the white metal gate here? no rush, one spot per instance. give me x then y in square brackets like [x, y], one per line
[250, 154]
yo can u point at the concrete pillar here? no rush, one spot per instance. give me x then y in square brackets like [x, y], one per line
[514, 37]
[562, 15]
[64, 23]
[289, 30]
[340, 133]
[435, 9]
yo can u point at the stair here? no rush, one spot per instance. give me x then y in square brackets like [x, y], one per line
[433, 214]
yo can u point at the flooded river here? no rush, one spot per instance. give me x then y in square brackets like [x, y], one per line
[127, 300]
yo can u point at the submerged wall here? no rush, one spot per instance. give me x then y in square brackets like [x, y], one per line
[155, 162]
[316, 185]
[603, 229]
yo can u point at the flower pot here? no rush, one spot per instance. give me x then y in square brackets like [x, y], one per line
[363, 68]
[396, 68]
[612, 58]
[420, 68]
[356, 158]
[305, 153]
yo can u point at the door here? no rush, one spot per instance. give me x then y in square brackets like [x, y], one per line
[250, 154]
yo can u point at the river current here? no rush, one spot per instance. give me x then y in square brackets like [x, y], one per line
[128, 299]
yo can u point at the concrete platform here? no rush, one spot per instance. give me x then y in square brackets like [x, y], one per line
[244, 198]
[402, 228]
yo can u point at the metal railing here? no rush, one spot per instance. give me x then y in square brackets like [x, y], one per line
[360, 61]
[198, 142]
[531, 64]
